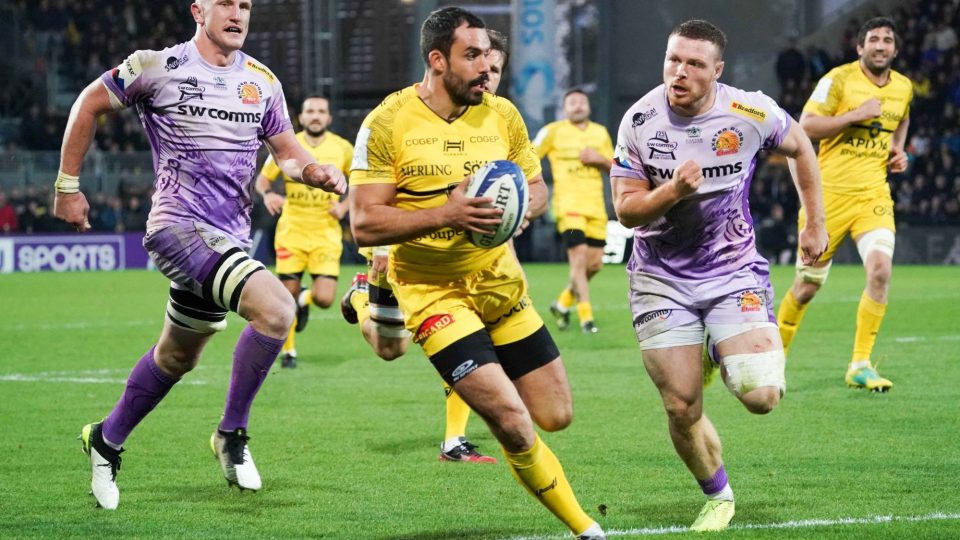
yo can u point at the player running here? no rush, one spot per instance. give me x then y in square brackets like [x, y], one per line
[579, 151]
[860, 111]
[371, 303]
[685, 157]
[466, 307]
[309, 236]
[205, 106]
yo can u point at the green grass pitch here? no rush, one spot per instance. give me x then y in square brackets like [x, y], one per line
[347, 444]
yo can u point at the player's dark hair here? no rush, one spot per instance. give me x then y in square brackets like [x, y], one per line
[314, 96]
[574, 90]
[499, 42]
[437, 31]
[703, 31]
[873, 24]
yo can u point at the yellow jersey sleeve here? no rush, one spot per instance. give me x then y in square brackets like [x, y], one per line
[270, 169]
[521, 149]
[374, 153]
[606, 145]
[543, 142]
[826, 96]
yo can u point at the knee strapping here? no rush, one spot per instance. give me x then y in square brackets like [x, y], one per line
[746, 372]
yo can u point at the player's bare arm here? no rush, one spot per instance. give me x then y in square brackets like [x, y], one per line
[591, 158]
[637, 203]
[300, 166]
[377, 222]
[69, 203]
[806, 177]
[273, 201]
[822, 127]
[898, 157]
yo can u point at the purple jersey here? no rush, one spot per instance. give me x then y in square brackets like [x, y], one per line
[708, 233]
[205, 124]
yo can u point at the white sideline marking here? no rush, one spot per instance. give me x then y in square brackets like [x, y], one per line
[82, 377]
[80, 325]
[914, 339]
[799, 524]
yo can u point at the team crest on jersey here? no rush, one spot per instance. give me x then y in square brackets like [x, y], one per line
[661, 147]
[727, 141]
[249, 93]
[750, 301]
[219, 83]
[693, 134]
[190, 89]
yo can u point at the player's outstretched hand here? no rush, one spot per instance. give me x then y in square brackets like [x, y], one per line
[470, 213]
[273, 202]
[813, 242]
[72, 208]
[687, 178]
[898, 161]
[325, 177]
[870, 108]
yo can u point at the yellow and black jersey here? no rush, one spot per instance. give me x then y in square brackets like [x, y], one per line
[855, 160]
[577, 188]
[404, 142]
[307, 209]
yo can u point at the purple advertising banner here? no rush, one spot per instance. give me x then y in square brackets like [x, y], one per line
[72, 252]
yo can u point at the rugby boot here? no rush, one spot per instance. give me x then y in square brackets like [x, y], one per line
[346, 308]
[714, 516]
[231, 450]
[105, 463]
[465, 451]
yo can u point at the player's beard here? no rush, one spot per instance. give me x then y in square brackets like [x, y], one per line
[315, 133]
[879, 69]
[459, 89]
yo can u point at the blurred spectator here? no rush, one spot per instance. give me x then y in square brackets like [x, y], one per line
[791, 65]
[8, 215]
[135, 216]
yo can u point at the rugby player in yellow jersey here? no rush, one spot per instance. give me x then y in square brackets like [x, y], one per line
[466, 307]
[579, 151]
[308, 232]
[860, 113]
[370, 302]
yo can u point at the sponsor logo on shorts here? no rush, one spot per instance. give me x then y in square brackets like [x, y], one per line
[433, 325]
[463, 370]
[660, 315]
[727, 141]
[750, 301]
[523, 304]
[283, 253]
[882, 210]
[249, 93]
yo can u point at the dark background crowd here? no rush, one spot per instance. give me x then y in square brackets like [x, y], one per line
[89, 36]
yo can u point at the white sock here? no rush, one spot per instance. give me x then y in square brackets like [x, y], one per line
[451, 443]
[725, 494]
[592, 530]
[858, 365]
[302, 297]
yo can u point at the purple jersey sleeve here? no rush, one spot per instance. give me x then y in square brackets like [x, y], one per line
[276, 120]
[126, 83]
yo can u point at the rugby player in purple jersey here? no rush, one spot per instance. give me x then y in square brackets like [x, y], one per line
[686, 153]
[206, 107]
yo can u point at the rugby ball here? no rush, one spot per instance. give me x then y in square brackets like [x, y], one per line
[504, 182]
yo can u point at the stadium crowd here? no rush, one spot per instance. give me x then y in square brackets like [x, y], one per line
[928, 193]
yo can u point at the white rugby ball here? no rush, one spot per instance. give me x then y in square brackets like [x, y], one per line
[504, 182]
